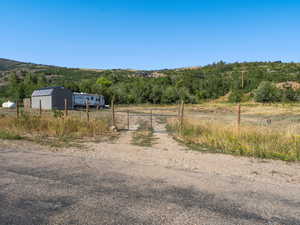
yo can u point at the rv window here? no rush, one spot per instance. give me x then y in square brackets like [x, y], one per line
[92, 98]
[87, 98]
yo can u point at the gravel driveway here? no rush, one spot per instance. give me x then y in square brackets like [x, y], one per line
[39, 186]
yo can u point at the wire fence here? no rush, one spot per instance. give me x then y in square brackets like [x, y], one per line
[129, 118]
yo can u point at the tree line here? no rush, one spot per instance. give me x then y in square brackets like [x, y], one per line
[240, 80]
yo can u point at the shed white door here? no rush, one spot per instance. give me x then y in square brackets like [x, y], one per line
[45, 100]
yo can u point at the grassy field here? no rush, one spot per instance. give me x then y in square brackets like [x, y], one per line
[266, 131]
[279, 117]
[52, 127]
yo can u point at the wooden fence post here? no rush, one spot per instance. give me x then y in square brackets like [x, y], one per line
[239, 116]
[66, 107]
[87, 110]
[181, 115]
[179, 110]
[128, 119]
[151, 126]
[40, 106]
[17, 107]
[113, 112]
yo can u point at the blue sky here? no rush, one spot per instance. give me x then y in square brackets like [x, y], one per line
[149, 34]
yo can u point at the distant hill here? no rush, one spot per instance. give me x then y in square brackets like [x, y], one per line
[277, 71]
[150, 86]
[6, 64]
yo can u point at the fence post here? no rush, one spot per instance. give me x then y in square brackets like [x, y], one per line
[179, 110]
[113, 112]
[151, 126]
[181, 115]
[17, 107]
[239, 116]
[87, 110]
[40, 106]
[128, 119]
[66, 107]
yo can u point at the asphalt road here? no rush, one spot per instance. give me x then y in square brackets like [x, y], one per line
[43, 187]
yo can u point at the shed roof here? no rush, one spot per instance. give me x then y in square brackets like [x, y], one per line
[45, 91]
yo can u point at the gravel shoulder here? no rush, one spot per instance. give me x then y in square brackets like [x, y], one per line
[120, 183]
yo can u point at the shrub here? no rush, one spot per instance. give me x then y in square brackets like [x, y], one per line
[288, 95]
[235, 96]
[9, 135]
[57, 113]
[266, 92]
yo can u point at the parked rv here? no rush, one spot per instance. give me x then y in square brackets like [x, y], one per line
[94, 100]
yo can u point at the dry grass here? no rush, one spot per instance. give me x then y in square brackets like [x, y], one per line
[251, 108]
[262, 142]
[50, 126]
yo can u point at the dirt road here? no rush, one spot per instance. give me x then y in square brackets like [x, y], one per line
[118, 183]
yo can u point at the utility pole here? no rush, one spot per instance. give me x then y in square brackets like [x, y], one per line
[243, 79]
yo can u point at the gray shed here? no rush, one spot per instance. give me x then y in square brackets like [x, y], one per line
[51, 98]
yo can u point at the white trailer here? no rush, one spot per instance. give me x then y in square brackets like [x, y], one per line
[94, 100]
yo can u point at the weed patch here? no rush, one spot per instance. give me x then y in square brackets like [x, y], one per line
[9, 135]
[143, 136]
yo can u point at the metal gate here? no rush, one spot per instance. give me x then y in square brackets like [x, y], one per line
[144, 118]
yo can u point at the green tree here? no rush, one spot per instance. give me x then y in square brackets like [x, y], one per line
[86, 85]
[288, 94]
[266, 92]
[104, 82]
[170, 95]
[235, 96]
